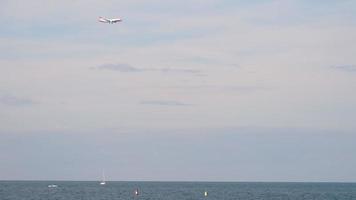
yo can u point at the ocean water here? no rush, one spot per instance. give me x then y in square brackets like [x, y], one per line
[70, 190]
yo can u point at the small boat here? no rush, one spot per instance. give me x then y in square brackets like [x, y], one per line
[52, 186]
[205, 193]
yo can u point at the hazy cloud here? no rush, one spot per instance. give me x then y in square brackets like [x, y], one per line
[217, 88]
[122, 67]
[209, 61]
[165, 103]
[244, 88]
[119, 67]
[347, 68]
[15, 101]
[172, 70]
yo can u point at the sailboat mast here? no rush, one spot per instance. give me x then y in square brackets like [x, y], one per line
[103, 176]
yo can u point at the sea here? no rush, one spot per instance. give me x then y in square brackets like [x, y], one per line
[75, 190]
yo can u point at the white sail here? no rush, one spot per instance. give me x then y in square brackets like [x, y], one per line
[103, 179]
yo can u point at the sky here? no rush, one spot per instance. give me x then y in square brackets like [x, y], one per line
[213, 90]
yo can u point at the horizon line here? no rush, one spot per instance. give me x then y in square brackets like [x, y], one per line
[178, 181]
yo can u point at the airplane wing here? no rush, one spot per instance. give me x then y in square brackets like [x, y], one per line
[104, 20]
[116, 20]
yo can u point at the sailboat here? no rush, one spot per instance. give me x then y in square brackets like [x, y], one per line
[205, 193]
[103, 179]
[136, 192]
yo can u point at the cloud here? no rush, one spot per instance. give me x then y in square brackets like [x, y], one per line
[171, 70]
[346, 68]
[15, 101]
[165, 103]
[119, 67]
[122, 67]
[220, 88]
[245, 88]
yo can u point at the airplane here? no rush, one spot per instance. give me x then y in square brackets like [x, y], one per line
[109, 21]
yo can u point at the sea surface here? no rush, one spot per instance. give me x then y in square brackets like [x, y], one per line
[71, 190]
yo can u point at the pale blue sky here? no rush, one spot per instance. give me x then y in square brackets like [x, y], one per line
[178, 83]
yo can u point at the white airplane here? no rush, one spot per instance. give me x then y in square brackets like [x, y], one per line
[109, 21]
